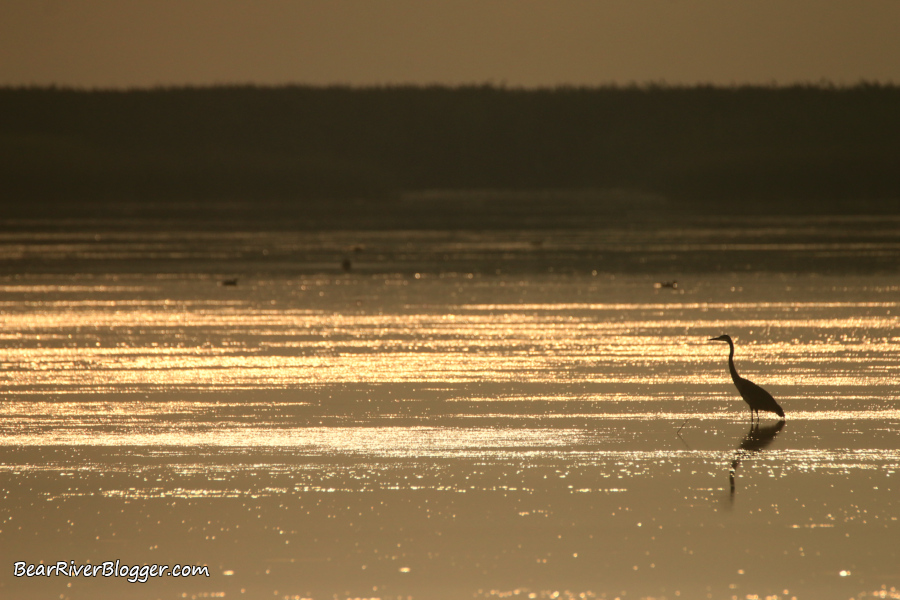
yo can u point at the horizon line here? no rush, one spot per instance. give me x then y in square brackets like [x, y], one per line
[822, 85]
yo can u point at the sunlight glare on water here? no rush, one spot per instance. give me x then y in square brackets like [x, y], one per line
[179, 345]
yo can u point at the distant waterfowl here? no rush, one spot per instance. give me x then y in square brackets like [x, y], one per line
[228, 282]
[757, 398]
[346, 265]
[671, 285]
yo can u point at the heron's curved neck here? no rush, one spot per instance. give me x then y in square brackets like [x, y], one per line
[734, 375]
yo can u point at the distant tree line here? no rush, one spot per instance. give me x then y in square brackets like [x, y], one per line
[698, 145]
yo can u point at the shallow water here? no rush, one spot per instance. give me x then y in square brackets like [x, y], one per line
[517, 413]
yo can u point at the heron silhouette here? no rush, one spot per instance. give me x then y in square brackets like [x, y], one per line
[757, 398]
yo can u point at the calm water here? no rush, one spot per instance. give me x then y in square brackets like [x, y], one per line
[496, 414]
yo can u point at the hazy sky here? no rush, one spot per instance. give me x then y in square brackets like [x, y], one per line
[124, 43]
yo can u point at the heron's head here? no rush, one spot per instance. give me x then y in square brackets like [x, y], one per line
[721, 338]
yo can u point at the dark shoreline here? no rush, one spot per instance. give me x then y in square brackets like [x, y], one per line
[753, 150]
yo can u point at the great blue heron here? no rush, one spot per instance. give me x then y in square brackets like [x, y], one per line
[758, 398]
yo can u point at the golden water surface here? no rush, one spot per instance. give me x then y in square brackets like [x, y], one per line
[499, 414]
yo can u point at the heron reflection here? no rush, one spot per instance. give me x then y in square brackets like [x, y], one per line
[756, 440]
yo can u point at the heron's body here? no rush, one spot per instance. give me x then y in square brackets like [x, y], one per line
[757, 398]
